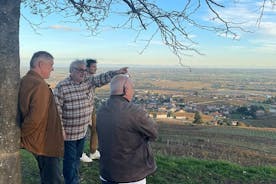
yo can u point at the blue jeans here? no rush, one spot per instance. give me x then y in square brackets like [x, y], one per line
[71, 160]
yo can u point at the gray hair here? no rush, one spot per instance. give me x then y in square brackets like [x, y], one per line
[118, 84]
[76, 64]
[38, 56]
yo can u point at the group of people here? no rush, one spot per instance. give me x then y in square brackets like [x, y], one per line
[54, 123]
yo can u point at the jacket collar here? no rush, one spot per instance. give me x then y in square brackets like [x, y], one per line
[120, 97]
[33, 73]
[36, 75]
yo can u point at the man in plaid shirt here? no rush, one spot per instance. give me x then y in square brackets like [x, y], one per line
[74, 99]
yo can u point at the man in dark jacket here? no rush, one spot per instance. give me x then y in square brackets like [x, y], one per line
[124, 131]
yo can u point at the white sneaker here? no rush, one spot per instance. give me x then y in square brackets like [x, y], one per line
[85, 158]
[95, 156]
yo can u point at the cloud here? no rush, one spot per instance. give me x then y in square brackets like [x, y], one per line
[240, 15]
[268, 28]
[264, 45]
[62, 28]
[246, 12]
[231, 36]
[246, 15]
[142, 43]
[236, 47]
[268, 6]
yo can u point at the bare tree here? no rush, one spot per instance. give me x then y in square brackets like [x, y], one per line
[171, 25]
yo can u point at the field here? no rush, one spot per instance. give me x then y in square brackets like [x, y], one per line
[265, 121]
[172, 170]
[245, 146]
[197, 154]
[181, 81]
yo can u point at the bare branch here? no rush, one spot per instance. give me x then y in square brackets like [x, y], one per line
[215, 3]
[262, 9]
[33, 25]
[135, 11]
[172, 26]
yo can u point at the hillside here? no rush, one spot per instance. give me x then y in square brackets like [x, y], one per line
[189, 154]
[172, 170]
[245, 146]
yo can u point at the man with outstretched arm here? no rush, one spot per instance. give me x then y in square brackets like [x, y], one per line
[74, 99]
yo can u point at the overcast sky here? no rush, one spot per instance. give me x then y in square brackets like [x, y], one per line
[69, 41]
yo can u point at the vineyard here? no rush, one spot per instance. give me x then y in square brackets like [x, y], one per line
[245, 146]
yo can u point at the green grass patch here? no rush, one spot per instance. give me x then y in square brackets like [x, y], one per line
[171, 170]
[188, 170]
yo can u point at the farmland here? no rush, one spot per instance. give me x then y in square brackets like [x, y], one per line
[196, 154]
[245, 146]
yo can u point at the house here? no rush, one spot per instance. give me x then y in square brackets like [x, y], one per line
[181, 114]
[161, 115]
[260, 113]
[234, 123]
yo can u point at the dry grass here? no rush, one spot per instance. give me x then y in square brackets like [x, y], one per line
[180, 84]
[244, 146]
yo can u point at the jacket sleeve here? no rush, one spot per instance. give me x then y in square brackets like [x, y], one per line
[102, 79]
[147, 126]
[38, 107]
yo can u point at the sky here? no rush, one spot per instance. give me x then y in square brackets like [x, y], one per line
[67, 40]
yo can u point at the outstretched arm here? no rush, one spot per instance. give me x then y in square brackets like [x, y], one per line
[122, 70]
[105, 78]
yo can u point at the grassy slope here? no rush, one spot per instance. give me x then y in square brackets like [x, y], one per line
[172, 170]
[246, 146]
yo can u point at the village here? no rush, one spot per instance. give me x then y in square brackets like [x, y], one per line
[213, 109]
[169, 94]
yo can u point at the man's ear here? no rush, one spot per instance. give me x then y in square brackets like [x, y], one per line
[124, 89]
[40, 64]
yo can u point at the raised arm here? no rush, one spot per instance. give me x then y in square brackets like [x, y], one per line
[105, 78]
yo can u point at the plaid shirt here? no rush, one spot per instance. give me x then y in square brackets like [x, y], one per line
[75, 103]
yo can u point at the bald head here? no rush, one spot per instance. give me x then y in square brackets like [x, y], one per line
[122, 85]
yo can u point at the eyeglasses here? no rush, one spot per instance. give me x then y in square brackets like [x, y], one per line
[80, 70]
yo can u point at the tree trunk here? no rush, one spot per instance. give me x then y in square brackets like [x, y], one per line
[9, 83]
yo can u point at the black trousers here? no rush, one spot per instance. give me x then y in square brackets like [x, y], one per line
[50, 169]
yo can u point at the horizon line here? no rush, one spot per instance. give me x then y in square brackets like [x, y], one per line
[169, 66]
